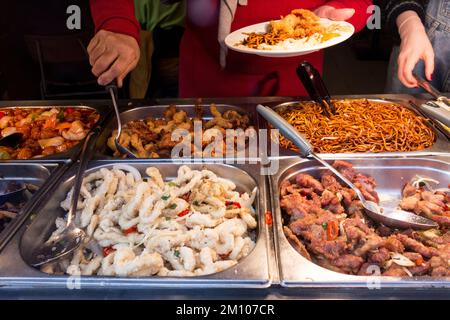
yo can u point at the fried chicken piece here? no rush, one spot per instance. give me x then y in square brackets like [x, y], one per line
[136, 142]
[218, 120]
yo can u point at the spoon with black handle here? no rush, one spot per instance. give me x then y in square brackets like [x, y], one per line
[394, 218]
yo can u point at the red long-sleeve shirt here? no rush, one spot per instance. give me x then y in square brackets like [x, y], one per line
[115, 16]
[246, 75]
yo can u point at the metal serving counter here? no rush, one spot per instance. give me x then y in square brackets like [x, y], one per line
[273, 270]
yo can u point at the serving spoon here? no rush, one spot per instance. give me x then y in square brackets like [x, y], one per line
[395, 217]
[72, 236]
[112, 89]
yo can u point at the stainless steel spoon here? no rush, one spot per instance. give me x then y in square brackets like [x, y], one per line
[7, 195]
[112, 88]
[72, 236]
[393, 218]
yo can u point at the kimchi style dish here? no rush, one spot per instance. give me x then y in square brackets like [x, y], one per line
[46, 131]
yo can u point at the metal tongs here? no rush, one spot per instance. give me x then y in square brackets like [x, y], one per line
[391, 217]
[315, 86]
[112, 89]
[439, 109]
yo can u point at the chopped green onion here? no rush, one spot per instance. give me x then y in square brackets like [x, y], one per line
[324, 226]
[173, 206]
[196, 203]
[172, 184]
[165, 197]
[176, 253]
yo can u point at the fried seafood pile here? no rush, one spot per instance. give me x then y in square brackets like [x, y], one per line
[196, 224]
[153, 138]
[324, 222]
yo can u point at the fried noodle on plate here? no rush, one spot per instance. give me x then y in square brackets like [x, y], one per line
[300, 27]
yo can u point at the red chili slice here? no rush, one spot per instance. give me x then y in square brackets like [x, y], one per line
[183, 213]
[233, 203]
[268, 218]
[133, 229]
[70, 110]
[108, 250]
[332, 230]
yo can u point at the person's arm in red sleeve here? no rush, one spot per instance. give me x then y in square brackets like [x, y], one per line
[353, 11]
[115, 16]
[114, 50]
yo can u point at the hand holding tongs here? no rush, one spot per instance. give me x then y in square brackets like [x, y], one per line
[438, 109]
[313, 83]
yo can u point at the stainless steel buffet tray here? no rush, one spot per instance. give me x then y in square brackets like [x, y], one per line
[390, 174]
[250, 272]
[102, 109]
[157, 111]
[441, 146]
[41, 175]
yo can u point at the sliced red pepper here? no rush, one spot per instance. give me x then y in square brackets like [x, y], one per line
[183, 213]
[332, 230]
[108, 250]
[70, 110]
[269, 218]
[233, 203]
[133, 229]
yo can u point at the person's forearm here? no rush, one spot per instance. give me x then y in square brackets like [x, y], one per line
[407, 20]
[115, 16]
[360, 17]
[392, 9]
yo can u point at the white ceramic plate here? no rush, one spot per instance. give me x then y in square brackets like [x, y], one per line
[295, 48]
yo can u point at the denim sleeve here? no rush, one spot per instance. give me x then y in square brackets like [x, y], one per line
[391, 9]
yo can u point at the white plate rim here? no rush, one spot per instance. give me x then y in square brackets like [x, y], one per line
[237, 35]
